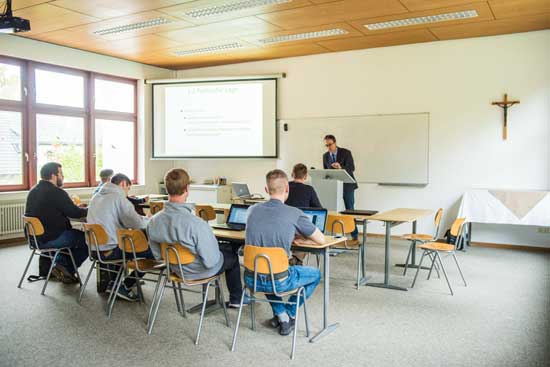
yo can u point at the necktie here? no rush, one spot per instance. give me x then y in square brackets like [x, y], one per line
[333, 156]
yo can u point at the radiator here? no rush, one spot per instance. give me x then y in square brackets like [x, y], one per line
[11, 219]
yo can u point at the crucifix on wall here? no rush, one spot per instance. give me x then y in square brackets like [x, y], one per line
[505, 105]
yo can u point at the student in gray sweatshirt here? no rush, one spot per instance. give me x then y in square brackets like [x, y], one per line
[177, 223]
[111, 208]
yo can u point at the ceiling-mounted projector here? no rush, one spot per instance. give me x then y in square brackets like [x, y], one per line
[11, 24]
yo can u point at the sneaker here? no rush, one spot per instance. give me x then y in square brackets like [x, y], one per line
[63, 275]
[126, 294]
[285, 328]
[274, 322]
[246, 302]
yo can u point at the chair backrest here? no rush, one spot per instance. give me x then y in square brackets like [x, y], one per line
[456, 229]
[256, 257]
[340, 224]
[76, 199]
[33, 227]
[437, 221]
[206, 212]
[132, 240]
[95, 236]
[176, 254]
[156, 206]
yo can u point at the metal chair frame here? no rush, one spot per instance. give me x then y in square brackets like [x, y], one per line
[30, 234]
[299, 292]
[436, 256]
[178, 292]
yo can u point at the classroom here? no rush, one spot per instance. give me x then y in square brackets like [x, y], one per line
[275, 182]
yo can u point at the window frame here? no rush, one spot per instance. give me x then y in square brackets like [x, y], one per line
[29, 109]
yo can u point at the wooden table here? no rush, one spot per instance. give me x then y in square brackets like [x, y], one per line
[394, 218]
[239, 237]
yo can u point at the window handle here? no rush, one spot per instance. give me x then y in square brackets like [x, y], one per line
[25, 91]
[27, 157]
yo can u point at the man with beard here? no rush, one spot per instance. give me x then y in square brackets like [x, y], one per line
[51, 204]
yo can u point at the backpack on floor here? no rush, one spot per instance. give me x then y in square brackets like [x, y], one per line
[44, 264]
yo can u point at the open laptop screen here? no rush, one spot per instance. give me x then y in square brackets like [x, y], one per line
[317, 216]
[240, 190]
[238, 214]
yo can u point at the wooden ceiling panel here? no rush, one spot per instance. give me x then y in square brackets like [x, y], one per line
[419, 5]
[132, 19]
[502, 26]
[255, 39]
[20, 4]
[114, 8]
[333, 12]
[483, 11]
[181, 10]
[380, 40]
[518, 8]
[220, 30]
[46, 17]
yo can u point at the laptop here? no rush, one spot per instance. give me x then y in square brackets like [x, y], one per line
[318, 217]
[241, 191]
[236, 220]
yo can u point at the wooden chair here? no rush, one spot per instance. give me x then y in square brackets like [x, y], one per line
[268, 261]
[132, 242]
[96, 236]
[175, 256]
[435, 248]
[422, 238]
[155, 207]
[206, 212]
[33, 227]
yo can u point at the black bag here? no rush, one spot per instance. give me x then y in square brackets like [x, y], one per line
[104, 277]
[449, 238]
[44, 264]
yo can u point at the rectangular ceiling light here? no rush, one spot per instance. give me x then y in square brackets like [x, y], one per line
[209, 50]
[423, 20]
[231, 7]
[304, 36]
[131, 27]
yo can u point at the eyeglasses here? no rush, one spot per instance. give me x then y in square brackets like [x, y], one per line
[329, 144]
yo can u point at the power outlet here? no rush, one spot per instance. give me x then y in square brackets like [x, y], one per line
[545, 230]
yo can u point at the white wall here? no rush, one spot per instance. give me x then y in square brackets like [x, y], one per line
[64, 56]
[453, 80]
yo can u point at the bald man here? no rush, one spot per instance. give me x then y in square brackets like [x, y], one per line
[274, 224]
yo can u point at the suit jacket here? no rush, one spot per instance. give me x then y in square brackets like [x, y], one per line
[344, 157]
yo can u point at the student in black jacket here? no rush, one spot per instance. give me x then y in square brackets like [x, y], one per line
[52, 205]
[301, 195]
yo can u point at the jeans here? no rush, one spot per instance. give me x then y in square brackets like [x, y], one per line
[232, 272]
[116, 254]
[73, 239]
[298, 276]
[349, 203]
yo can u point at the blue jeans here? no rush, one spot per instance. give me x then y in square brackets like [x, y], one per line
[298, 276]
[74, 240]
[349, 203]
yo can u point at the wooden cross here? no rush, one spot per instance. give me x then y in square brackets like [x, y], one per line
[505, 105]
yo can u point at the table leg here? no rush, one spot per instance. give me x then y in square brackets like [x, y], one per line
[413, 263]
[363, 258]
[386, 283]
[326, 296]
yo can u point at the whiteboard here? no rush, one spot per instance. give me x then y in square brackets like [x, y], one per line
[391, 149]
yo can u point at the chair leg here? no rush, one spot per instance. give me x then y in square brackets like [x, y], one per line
[204, 300]
[176, 296]
[114, 291]
[75, 268]
[54, 259]
[297, 314]
[221, 299]
[156, 306]
[431, 256]
[407, 260]
[459, 270]
[444, 273]
[305, 315]
[252, 306]
[436, 267]
[81, 293]
[182, 302]
[234, 342]
[26, 269]
[159, 280]
[418, 269]
[318, 261]
[139, 289]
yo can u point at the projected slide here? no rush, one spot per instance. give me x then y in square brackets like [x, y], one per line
[230, 119]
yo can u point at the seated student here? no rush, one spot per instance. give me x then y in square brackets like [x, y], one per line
[111, 208]
[274, 224]
[105, 176]
[301, 195]
[52, 205]
[178, 223]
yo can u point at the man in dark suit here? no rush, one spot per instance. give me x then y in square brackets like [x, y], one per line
[341, 158]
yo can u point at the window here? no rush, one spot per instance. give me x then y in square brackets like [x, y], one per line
[83, 120]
